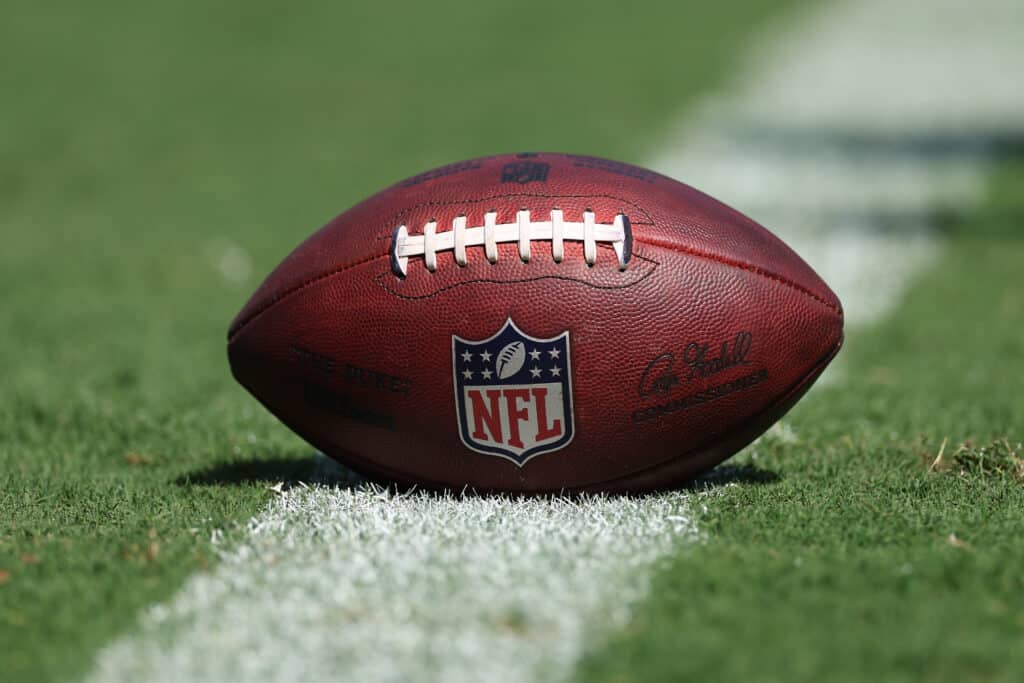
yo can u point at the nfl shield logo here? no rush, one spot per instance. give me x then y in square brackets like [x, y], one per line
[513, 393]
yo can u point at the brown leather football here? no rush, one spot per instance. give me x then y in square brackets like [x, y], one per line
[536, 322]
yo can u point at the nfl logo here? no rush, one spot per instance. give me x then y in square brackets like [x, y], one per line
[513, 393]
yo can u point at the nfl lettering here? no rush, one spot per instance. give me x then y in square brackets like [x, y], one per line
[513, 393]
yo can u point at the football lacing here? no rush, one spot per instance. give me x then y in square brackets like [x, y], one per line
[557, 230]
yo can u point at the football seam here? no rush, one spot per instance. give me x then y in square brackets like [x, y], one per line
[272, 301]
[510, 195]
[408, 297]
[237, 328]
[724, 260]
[276, 299]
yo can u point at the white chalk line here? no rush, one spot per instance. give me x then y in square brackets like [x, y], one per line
[352, 583]
[861, 125]
[366, 585]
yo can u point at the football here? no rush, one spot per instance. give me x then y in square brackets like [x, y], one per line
[536, 323]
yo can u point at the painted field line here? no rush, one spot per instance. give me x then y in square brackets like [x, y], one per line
[359, 584]
[850, 165]
[860, 130]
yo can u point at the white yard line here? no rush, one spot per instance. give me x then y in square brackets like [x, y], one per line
[358, 584]
[852, 129]
[859, 127]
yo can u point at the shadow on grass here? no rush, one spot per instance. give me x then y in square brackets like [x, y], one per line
[735, 474]
[320, 470]
[262, 470]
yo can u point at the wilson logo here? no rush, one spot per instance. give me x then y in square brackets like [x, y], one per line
[513, 393]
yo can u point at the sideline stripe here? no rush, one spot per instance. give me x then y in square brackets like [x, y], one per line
[361, 584]
[864, 127]
[853, 129]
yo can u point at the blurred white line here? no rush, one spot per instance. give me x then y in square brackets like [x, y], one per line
[852, 129]
[858, 129]
[357, 584]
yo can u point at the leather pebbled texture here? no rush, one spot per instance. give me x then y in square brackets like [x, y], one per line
[709, 335]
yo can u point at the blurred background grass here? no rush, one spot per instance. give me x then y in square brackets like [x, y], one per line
[150, 149]
[157, 159]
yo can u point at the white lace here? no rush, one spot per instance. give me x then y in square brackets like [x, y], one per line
[524, 231]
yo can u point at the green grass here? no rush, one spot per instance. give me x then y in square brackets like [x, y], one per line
[142, 145]
[854, 555]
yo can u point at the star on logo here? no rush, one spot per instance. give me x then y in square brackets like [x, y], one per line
[513, 397]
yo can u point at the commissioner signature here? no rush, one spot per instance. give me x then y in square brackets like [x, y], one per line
[662, 374]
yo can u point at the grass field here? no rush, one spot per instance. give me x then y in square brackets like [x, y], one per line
[156, 161]
[854, 553]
